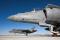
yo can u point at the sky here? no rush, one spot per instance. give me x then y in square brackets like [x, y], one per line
[11, 7]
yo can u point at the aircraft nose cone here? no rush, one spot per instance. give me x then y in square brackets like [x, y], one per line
[12, 18]
[15, 18]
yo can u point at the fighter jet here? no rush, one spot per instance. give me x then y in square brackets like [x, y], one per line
[23, 31]
[48, 17]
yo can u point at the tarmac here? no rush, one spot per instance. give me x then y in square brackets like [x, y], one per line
[32, 37]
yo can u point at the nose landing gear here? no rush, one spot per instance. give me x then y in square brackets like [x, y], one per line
[55, 35]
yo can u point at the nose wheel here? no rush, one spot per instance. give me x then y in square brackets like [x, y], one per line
[54, 35]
